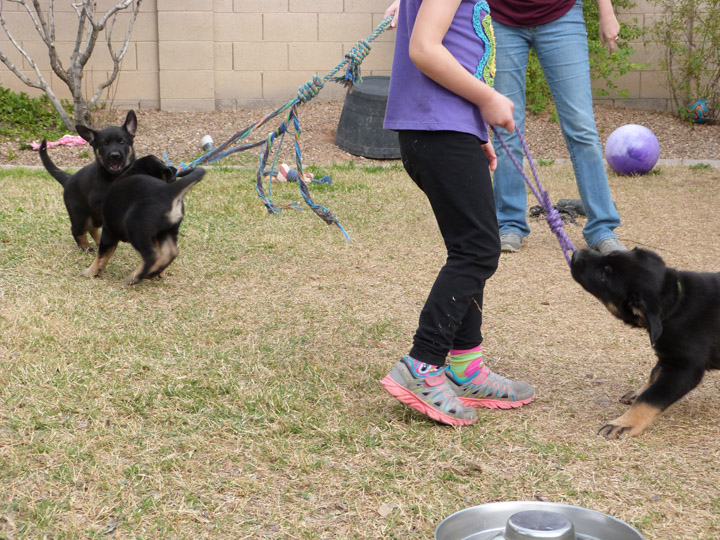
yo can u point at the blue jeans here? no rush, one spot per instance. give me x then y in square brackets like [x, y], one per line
[561, 47]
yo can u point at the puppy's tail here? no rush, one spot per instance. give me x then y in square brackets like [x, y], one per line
[58, 174]
[185, 182]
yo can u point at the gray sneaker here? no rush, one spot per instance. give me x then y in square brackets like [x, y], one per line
[510, 242]
[430, 394]
[488, 389]
[608, 245]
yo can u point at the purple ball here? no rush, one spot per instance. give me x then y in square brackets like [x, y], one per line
[632, 149]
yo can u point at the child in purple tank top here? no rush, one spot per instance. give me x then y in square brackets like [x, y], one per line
[440, 102]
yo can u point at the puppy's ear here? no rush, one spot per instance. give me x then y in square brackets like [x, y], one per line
[647, 316]
[130, 124]
[86, 133]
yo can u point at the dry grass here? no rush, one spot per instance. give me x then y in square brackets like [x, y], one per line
[238, 398]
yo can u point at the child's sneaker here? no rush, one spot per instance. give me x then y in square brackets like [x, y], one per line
[426, 390]
[488, 389]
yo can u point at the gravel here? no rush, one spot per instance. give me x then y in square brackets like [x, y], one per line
[178, 135]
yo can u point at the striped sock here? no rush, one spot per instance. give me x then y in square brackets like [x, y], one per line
[465, 363]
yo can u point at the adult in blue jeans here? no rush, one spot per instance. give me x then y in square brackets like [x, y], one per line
[556, 30]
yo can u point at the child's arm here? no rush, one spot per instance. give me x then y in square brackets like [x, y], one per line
[434, 60]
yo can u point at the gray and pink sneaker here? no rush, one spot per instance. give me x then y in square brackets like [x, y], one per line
[487, 389]
[425, 388]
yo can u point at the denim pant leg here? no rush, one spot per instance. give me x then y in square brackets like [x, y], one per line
[561, 47]
[513, 47]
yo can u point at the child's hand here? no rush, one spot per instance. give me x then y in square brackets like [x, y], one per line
[497, 110]
[392, 10]
[489, 150]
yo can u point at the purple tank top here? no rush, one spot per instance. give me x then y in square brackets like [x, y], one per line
[417, 102]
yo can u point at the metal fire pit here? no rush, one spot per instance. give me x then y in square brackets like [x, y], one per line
[529, 520]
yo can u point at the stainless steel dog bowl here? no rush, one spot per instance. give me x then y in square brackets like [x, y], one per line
[530, 520]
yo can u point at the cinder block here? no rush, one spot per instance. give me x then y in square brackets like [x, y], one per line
[103, 6]
[137, 85]
[283, 85]
[344, 27]
[260, 6]
[234, 85]
[310, 57]
[629, 81]
[366, 6]
[144, 29]
[653, 85]
[659, 104]
[21, 26]
[223, 56]
[181, 26]
[187, 105]
[650, 56]
[10, 81]
[38, 51]
[184, 5]
[222, 6]
[101, 59]
[149, 104]
[183, 84]
[238, 27]
[316, 6]
[288, 27]
[260, 56]
[379, 57]
[147, 56]
[190, 55]
[59, 88]
[17, 59]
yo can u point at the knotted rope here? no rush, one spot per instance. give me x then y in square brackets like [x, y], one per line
[305, 93]
[552, 216]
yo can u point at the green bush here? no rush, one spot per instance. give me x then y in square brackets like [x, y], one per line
[24, 118]
[689, 33]
[603, 66]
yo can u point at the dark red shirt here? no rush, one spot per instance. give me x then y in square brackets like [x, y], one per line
[528, 12]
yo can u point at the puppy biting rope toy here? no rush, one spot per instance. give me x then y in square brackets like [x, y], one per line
[552, 215]
[306, 92]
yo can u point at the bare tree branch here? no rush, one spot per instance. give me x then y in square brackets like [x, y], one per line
[86, 38]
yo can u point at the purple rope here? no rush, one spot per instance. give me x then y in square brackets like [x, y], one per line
[552, 215]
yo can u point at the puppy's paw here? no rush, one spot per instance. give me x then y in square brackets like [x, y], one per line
[630, 397]
[618, 431]
[631, 424]
[89, 273]
[132, 279]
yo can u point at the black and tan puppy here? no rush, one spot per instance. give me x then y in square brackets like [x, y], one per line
[145, 211]
[84, 192]
[679, 309]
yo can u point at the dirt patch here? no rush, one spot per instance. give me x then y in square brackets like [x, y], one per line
[178, 135]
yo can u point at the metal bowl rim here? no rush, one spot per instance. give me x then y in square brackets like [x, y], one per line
[539, 505]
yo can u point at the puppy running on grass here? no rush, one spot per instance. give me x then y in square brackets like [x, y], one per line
[84, 192]
[145, 211]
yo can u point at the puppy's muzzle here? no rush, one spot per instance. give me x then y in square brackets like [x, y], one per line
[115, 161]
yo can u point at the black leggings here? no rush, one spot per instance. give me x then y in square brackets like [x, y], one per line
[453, 172]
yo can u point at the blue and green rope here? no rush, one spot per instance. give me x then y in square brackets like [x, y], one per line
[351, 65]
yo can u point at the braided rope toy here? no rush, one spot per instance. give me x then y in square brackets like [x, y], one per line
[552, 216]
[306, 92]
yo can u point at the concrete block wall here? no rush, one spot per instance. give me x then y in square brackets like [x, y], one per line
[646, 88]
[201, 55]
